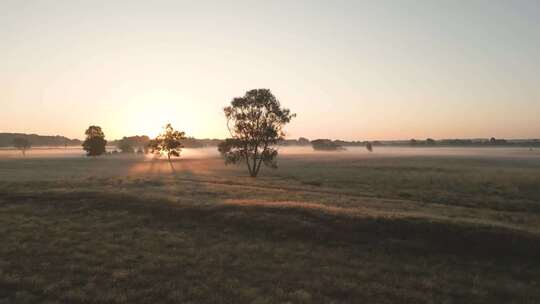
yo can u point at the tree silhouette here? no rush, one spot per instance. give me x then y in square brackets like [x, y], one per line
[131, 143]
[326, 145]
[303, 141]
[22, 144]
[169, 142]
[125, 145]
[255, 122]
[369, 146]
[95, 142]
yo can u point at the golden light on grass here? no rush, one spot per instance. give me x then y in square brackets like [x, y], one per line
[307, 206]
[154, 165]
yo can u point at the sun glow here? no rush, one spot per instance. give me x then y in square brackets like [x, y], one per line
[148, 113]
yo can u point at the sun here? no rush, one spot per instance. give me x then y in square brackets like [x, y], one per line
[148, 112]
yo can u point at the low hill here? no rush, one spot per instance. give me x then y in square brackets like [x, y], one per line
[6, 140]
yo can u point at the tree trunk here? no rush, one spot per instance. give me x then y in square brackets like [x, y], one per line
[256, 168]
[253, 168]
[170, 163]
[258, 164]
[248, 164]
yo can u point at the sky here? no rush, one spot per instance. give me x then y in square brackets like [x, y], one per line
[354, 70]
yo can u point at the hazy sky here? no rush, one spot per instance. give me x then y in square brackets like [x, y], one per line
[349, 69]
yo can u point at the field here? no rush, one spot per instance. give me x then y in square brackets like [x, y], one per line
[410, 226]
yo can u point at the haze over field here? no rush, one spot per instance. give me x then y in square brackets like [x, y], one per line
[300, 152]
[351, 69]
[350, 152]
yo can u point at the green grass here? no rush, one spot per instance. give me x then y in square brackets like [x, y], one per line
[318, 230]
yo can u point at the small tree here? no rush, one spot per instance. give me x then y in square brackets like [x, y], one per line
[302, 141]
[255, 122]
[95, 142]
[22, 144]
[169, 142]
[369, 146]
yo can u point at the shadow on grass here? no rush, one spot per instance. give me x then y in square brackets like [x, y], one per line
[306, 222]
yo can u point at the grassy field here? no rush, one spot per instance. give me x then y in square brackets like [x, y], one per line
[323, 228]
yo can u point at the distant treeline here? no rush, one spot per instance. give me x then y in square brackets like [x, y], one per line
[6, 140]
[141, 143]
[488, 142]
[481, 142]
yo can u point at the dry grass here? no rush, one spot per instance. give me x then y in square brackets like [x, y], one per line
[315, 231]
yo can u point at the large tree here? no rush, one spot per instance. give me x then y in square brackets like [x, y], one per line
[255, 122]
[95, 142]
[22, 144]
[169, 142]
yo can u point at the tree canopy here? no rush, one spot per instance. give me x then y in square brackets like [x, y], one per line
[255, 122]
[95, 142]
[169, 142]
